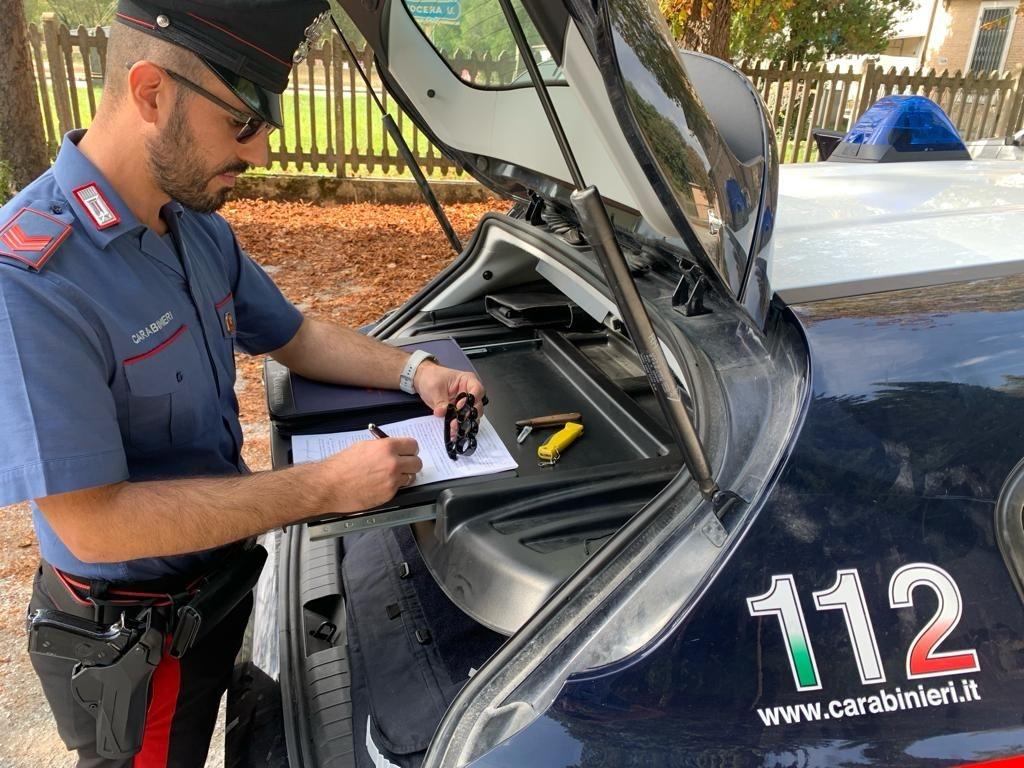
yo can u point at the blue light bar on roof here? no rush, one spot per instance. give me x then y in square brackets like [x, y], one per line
[901, 128]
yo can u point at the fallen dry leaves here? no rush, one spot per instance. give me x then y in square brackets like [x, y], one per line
[349, 263]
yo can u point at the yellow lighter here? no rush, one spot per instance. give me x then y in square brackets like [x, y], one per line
[552, 449]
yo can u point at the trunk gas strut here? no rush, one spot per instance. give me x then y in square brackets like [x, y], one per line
[598, 230]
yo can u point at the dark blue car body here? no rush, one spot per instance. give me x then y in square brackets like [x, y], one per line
[908, 458]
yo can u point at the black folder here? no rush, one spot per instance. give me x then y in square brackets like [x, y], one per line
[296, 401]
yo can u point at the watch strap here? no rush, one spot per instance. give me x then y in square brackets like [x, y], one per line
[408, 375]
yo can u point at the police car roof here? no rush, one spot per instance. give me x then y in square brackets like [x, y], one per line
[851, 229]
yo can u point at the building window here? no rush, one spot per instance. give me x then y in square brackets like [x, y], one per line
[904, 46]
[991, 37]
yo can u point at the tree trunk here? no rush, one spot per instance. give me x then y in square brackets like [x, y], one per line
[22, 143]
[707, 27]
[693, 29]
[719, 26]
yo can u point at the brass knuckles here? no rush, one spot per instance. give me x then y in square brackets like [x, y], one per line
[467, 419]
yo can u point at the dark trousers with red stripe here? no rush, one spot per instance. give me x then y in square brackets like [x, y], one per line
[184, 694]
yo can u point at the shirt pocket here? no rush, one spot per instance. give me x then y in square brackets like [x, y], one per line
[225, 309]
[162, 407]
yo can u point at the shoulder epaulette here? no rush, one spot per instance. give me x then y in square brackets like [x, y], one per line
[29, 237]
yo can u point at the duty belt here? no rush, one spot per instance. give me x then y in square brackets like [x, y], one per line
[108, 601]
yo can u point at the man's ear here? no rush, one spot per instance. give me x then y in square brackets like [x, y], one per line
[149, 89]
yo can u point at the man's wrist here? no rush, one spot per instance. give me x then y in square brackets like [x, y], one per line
[407, 378]
[428, 363]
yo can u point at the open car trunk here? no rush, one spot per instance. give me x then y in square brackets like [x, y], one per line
[387, 615]
[389, 620]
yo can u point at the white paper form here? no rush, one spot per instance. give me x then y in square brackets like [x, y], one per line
[490, 456]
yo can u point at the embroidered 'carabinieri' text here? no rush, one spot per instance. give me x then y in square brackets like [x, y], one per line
[155, 327]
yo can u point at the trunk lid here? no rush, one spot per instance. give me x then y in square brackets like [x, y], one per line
[671, 167]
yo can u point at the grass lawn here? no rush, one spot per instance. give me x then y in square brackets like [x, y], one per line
[369, 131]
[298, 131]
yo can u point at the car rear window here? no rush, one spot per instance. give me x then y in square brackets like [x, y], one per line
[474, 39]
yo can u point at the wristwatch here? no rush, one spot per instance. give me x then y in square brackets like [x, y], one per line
[405, 379]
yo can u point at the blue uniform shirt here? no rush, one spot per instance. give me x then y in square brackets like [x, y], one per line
[116, 348]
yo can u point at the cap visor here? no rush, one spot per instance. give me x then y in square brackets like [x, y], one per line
[263, 102]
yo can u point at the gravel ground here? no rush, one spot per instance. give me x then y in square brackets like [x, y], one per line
[347, 263]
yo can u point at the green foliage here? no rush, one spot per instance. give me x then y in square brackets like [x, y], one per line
[790, 30]
[480, 29]
[813, 30]
[34, 10]
[91, 13]
[6, 183]
[348, 27]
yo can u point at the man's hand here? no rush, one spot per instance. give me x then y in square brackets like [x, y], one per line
[370, 473]
[438, 386]
[103, 524]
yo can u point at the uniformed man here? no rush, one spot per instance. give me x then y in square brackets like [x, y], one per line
[122, 299]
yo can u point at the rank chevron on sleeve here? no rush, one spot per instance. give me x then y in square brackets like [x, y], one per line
[16, 238]
[32, 236]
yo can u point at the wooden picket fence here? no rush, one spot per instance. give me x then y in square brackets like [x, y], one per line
[332, 126]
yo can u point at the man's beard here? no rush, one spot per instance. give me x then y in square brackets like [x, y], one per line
[171, 161]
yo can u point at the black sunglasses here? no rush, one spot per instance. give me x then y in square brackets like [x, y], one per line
[251, 124]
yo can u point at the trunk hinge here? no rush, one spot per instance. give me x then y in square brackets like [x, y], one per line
[688, 297]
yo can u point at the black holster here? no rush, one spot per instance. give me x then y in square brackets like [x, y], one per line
[117, 695]
[216, 597]
[116, 662]
[111, 679]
